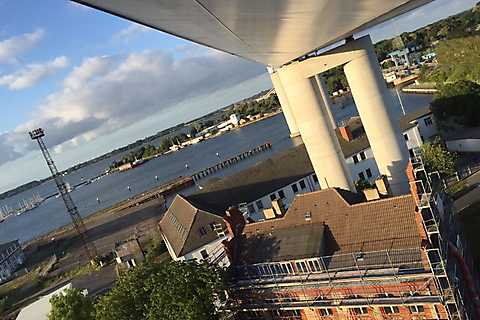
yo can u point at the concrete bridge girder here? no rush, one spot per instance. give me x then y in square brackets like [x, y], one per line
[309, 107]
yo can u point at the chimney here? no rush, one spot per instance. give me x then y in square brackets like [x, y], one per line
[234, 220]
[345, 133]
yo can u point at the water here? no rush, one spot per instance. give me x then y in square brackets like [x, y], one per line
[114, 188]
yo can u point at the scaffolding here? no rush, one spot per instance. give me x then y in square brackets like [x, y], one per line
[426, 188]
[371, 270]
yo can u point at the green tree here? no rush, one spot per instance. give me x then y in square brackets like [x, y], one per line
[438, 158]
[173, 290]
[458, 59]
[363, 184]
[459, 102]
[71, 305]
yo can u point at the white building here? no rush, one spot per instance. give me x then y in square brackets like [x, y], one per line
[11, 257]
[417, 127]
[194, 233]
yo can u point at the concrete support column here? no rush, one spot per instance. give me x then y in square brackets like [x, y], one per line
[322, 86]
[374, 103]
[284, 103]
[315, 127]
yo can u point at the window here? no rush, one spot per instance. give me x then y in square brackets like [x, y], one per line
[362, 155]
[428, 121]
[361, 176]
[355, 159]
[251, 208]
[416, 309]
[273, 196]
[204, 254]
[405, 136]
[301, 266]
[308, 216]
[326, 312]
[294, 188]
[368, 172]
[391, 309]
[281, 194]
[217, 227]
[410, 152]
[276, 268]
[259, 204]
[314, 265]
[303, 186]
[360, 310]
[315, 178]
[202, 231]
[287, 267]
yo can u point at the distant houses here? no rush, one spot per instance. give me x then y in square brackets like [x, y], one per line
[11, 258]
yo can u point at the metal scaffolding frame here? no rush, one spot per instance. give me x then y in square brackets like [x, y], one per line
[437, 253]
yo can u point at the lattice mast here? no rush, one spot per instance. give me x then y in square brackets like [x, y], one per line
[77, 220]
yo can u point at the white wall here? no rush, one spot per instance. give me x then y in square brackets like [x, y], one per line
[363, 165]
[464, 145]
[427, 130]
[214, 250]
[310, 186]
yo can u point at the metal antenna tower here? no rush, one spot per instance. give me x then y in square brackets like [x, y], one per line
[88, 246]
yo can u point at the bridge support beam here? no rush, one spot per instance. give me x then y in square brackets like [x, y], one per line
[284, 103]
[309, 104]
[315, 126]
[374, 104]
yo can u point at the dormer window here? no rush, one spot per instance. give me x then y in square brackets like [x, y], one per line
[308, 216]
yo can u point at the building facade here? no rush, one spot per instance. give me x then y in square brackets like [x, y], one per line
[11, 257]
[335, 256]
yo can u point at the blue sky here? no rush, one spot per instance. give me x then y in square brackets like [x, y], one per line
[80, 74]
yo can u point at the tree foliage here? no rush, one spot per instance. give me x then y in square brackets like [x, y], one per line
[458, 101]
[253, 107]
[174, 290]
[71, 305]
[458, 59]
[363, 184]
[438, 158]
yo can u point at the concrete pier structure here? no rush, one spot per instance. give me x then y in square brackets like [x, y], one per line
[309, 104]
[284, 103]
[315, 126]
[374, 101]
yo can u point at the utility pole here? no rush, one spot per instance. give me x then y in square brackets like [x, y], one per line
[88, 246]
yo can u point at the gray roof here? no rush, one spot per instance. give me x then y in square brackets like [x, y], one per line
[283, 244]
[280, 170]
[409, 120]
[469, 195]
[257, 181]
[5, 245]
[182, 222]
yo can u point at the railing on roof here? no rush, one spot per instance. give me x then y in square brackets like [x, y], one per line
[350, 265]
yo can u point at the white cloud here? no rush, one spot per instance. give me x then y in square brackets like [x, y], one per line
[132, 30]
[12, 47]
[105, 94]
[32, 73]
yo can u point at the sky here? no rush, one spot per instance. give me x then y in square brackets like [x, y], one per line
[96, 82]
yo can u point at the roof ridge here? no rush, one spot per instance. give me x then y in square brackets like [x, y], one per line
[190, 228]
[383, 200]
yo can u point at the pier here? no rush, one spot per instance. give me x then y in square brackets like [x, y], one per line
[231, 161]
